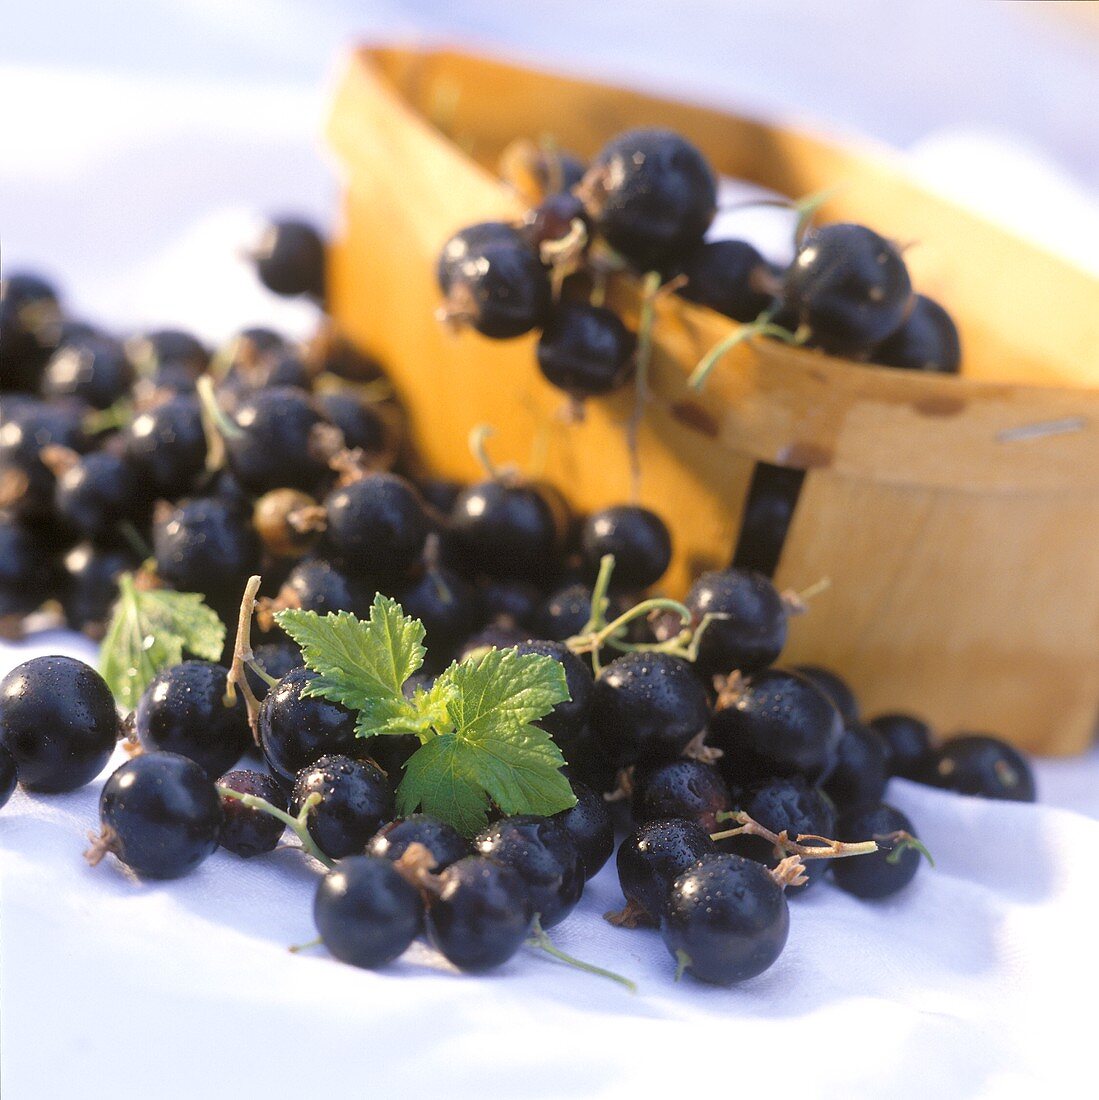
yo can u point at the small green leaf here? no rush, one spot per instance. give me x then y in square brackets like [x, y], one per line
[362, 665]
[150, 631]
[441, 778]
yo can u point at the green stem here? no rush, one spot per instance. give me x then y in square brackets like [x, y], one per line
[133, 536]
[297, 824]
[682, 961]
[262, 673]
[757, 328]
[541, 942]
[299, 947]
[478, 438]
[224, 423]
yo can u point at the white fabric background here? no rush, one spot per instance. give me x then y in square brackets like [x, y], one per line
[138, 139]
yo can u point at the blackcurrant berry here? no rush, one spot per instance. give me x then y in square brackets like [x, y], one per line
[447, 604]
[907, 743]
[276, 659]
[752, 632]
[173, 359]
[849, 287]
[544, 855]
[377, 525]
[585, 350]
[365, 912]
[552, 219]
[245, 831]
[355, 801]
[509, 602]
[836, 688]
[978, 764]
[639, 540]
[26, 482]
[296, 729]
[26, 564]
[647, 707]
[654, 855]
[566, 721]
[185, 710]
[492, 279]
[8, 775]
[30, 325]
[861, 770]
[563, 613]
[881, 873]
[445, 843]
[928, 340]
[290, 258]
[590, 826]
[93, 369]
[168, 445]
[686, 789]
[481, 914]
[99, 491]
[58, 720]
[161, 815]
[730, 277]
[778, 724]
[317, 585]
[652, 196]
[726, 920]
[363, 427]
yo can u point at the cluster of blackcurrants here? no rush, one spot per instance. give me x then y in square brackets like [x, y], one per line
[645, 204]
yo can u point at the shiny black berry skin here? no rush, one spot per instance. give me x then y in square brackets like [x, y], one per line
[730, 277]
[244, 831]
[205, 545]
[654, 855]
[506, 531]
[363, 428]
[652, 196]
[780, 724]
[792, 805]
[566, 721]
[646, 707]
[552, 219]
[509, 602]
[93, 369]
[377, 525]
[492, 279]
[446, 603]
[355, 800]
[481, 915]
[183, 710]
[277, 447]
[365, 912]
[639, 540]
[768, 512]
[162, 814]
[725, 921]
[907, 742]
[836, 688]
[874, 875]
[850, 287]
[751, 636]
[276, 659]
[9, 777]
[445, 843]
[928, 340]
[985, 766]
[173, 359]
[686, 789]
[24, 431]
[590, 826]
[317, 585]
[290, 258]
[296, 730]
[563, 613]
[98, 492]
[544, 855]
[30, 325]
[585, 350]
[58, 720]
[861, 770]
[167, 444]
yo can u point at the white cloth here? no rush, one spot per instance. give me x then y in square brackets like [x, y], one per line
[135, 152]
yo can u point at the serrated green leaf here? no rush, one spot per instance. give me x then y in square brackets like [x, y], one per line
[362, 665]
[150, 631]
[494, 754]
[441, 779]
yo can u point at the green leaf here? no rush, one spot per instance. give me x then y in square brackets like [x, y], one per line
[150, 631]
[494, 754]
[362, 665]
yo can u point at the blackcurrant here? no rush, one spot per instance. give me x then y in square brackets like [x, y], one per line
[881, 873]
[9, 777]
[652, 196]
[590, 826]
[446, 603]
[978, 764]
[290, 258]
[355, 800]
[185, 710]
[377, 525]
[646, 707]
[849, 287]
[26, 482]
[552, 219]
[686, 789]
[544, 855]
[161, 815]
[563, 613]
[30, 324]
[639, 540]
[836, 688]
[363, 427]
[276, 659]
[173, 359]
[861, 770]
[205, 545]
[726, 920]
[365, 912]
[481, 914]
[445, 843]
[509, 602]
[752, 631]
[58, 720]
[98, 491]
[566, 721]
[654, 855]
[778, 724]
[245, 831]
[927, 340]
[93, 369]
[907, 742]
[492, 279]
[730, 277]
[168, 445]
[317, 585]
[585, 350]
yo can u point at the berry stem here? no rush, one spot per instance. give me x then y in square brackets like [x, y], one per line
[762, 326]
[242, 655]
[296, 824]
[541, 942]
[901, 841]
[135, 540]
[824, 849]
[478, 439]
[682, 961]
[297, 948]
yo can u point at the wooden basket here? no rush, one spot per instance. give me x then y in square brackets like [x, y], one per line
[957, 517]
